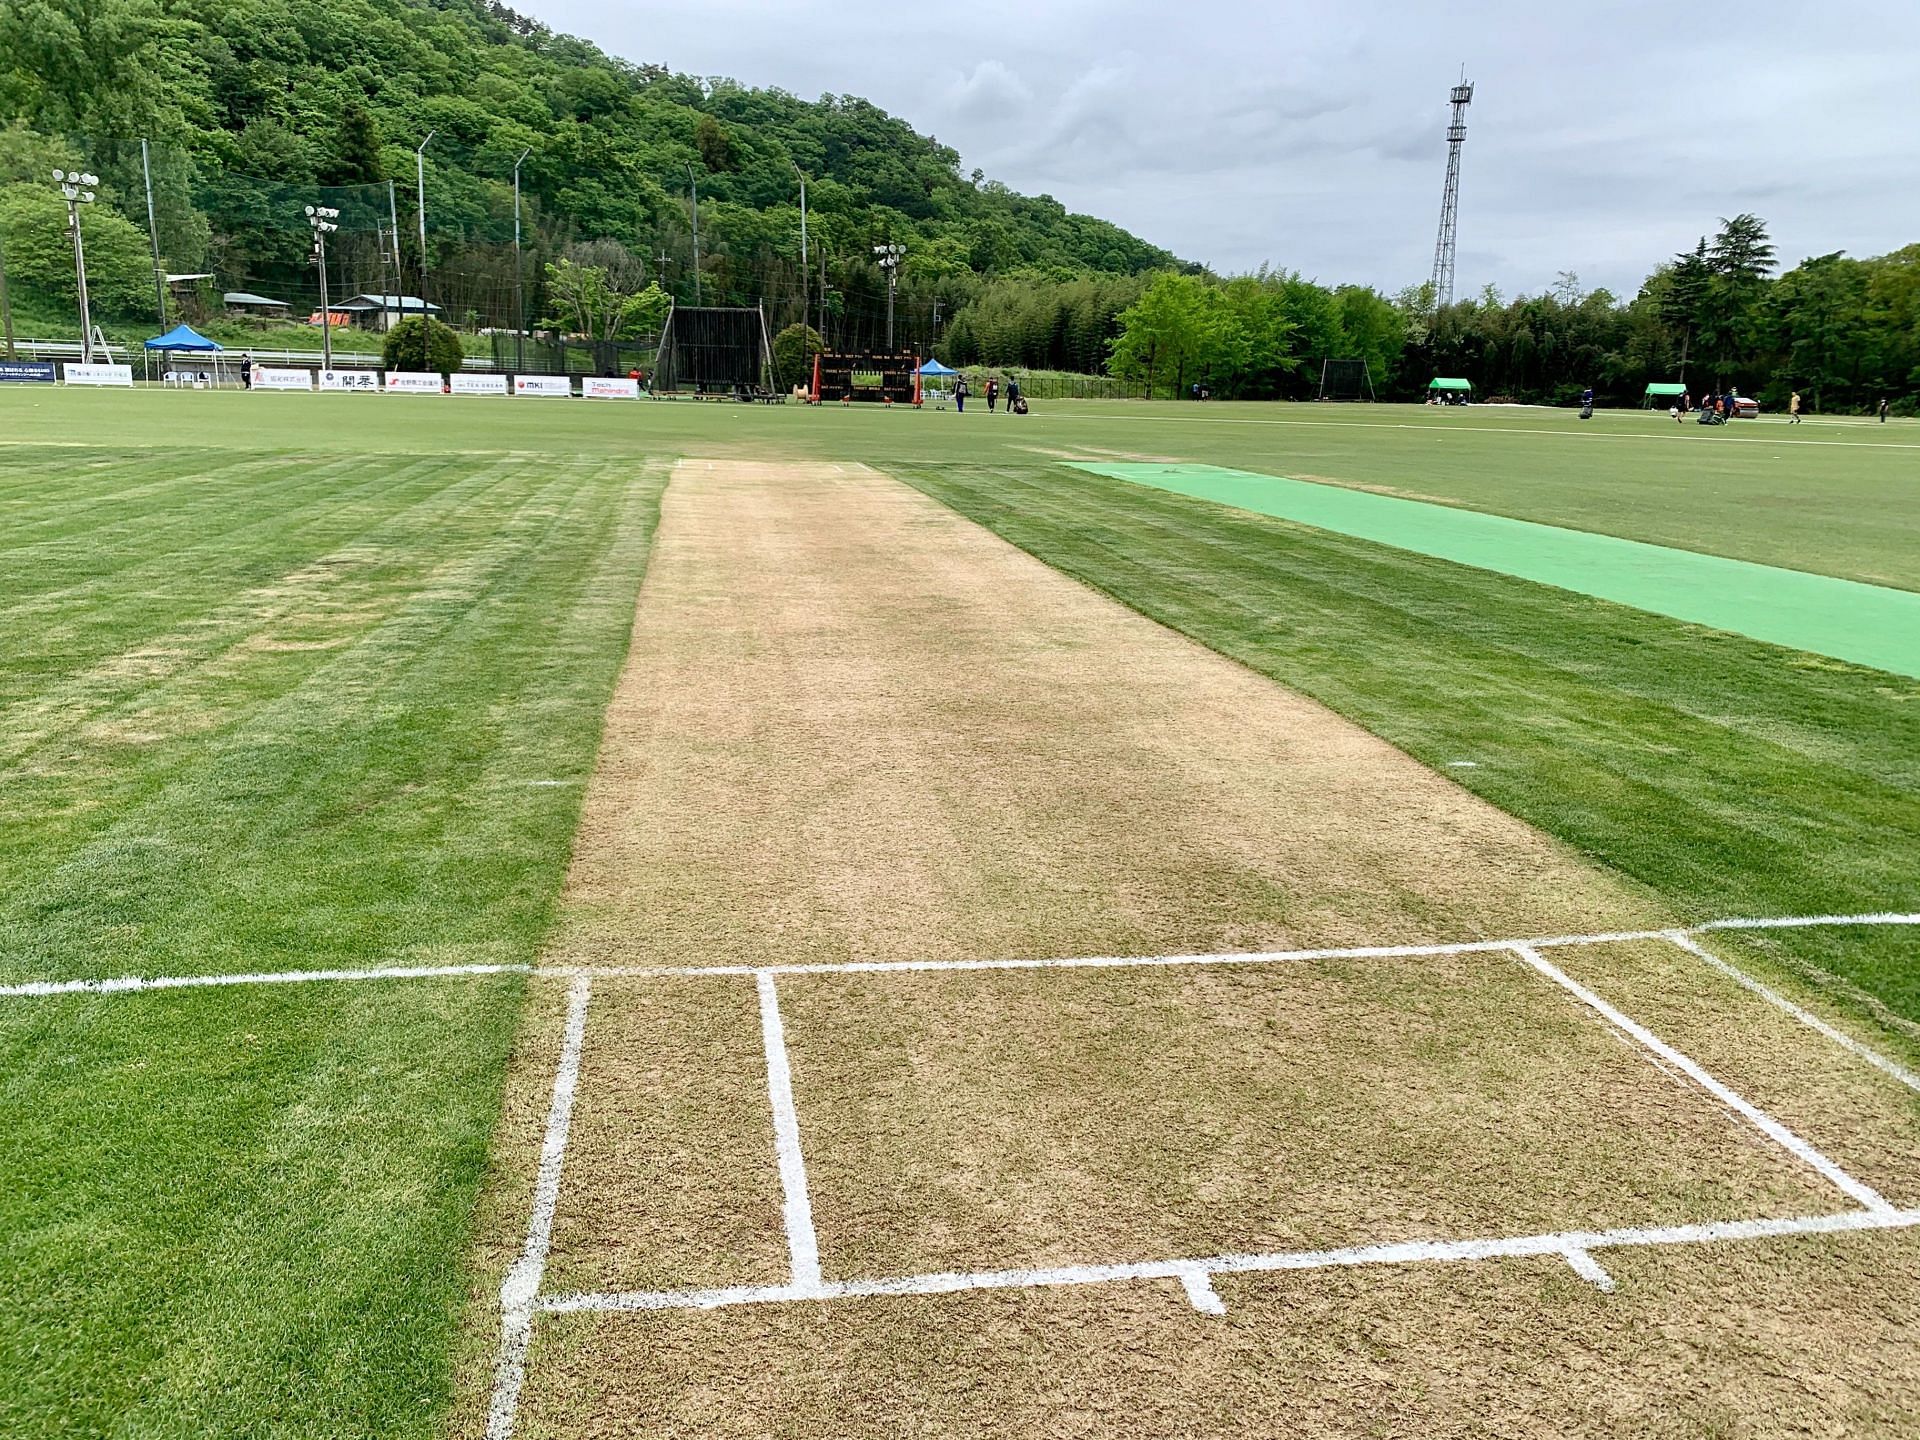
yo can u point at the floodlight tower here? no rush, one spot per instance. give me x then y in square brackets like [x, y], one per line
[1450, 199]
[78, 188]
[324, 220]
[889, 257]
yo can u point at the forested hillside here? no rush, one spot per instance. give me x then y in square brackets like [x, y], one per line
[255, 109]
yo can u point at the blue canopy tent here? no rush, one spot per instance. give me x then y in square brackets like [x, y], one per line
[934, 370]
[184, 339]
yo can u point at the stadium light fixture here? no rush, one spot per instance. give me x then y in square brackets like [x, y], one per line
[890, 257]
[324, 222]
[77, 186]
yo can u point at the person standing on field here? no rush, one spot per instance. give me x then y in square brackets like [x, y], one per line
[1793, 409]
[960, 395]
[1883, 412]
[1013, 392]
[993, 393]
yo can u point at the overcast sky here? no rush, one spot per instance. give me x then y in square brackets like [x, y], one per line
[1602, 138]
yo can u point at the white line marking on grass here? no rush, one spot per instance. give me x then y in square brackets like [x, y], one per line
[128, 984]
[1805, 1017]
[1199, 1287]
[1589, 1269]
[803, 1246]
[520, 1290]
[32, 988]
[1746, 1109]
[1410, 1252]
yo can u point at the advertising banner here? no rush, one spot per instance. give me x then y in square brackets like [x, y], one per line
[597, 387]
[479, 384]
[74, 373]
[413, 382]
[350, 380]
[558, 385]
[26, 372]
[267, 378]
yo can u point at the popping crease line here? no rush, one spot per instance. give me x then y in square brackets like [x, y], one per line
[1562, 1246]
[133, 984]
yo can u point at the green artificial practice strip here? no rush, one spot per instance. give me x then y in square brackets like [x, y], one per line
[1844, 619]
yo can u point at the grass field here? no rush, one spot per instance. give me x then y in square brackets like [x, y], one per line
[343, 683]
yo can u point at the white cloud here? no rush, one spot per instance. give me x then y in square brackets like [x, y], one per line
[1601, 139]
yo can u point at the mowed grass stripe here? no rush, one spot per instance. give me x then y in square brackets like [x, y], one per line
[252, 1209]
[1842, 619]
[1727, 777]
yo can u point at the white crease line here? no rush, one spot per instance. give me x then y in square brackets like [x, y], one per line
[1589, 1269]
[1401, 1253]
[1746, 1109]
[803, 1247]
[1805, 1017]
[127, 984]
[1231, 957]
[520, 1290]
[131, 983]
[1200, 1292]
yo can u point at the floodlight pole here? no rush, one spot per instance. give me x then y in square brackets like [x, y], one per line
[804, 285]
[323, 220]
[519, 295]
[6, 305]
[78, 189]
[153, 234]
[889, 256]
[695, 184]
[420, 190]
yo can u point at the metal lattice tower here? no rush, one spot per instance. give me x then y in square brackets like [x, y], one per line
[1450, 200]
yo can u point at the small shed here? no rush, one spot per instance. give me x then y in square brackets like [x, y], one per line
[382, 312]
[1668, 392]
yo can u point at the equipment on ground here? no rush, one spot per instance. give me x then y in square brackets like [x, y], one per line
[715, 352]
[1345, 380]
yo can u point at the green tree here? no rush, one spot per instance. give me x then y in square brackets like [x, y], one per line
[421, 343]
[793, 352]
[39, 250]
[356, 149]
[713, 142]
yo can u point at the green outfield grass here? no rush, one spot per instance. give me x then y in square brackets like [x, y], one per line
[291, 681]
[275, 710]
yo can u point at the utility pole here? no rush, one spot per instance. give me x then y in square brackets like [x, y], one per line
[323, 221]
[519, 296]
[420, 187]
[696, 234]
[803, 244]
[6, 305]
[78, 189]
[935, 344]
[889, 256]
[393, 229]
[1450, 198]
[153, 234]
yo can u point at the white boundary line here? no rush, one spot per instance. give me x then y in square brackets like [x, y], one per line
[1805, 1017]
[133, 983]
[1746, 1109]
[803, 1246]
[1564, 1246]
[520, 1290]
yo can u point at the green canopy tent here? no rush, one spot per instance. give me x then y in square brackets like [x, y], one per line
[1659, 391]
[1445, 391]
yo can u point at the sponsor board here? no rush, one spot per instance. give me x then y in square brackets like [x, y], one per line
[267, 378]
[601, 387]
[74, 373]
[26, 372]
[479, 384]
[542, 385]
[350, 380]
[413, 382]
